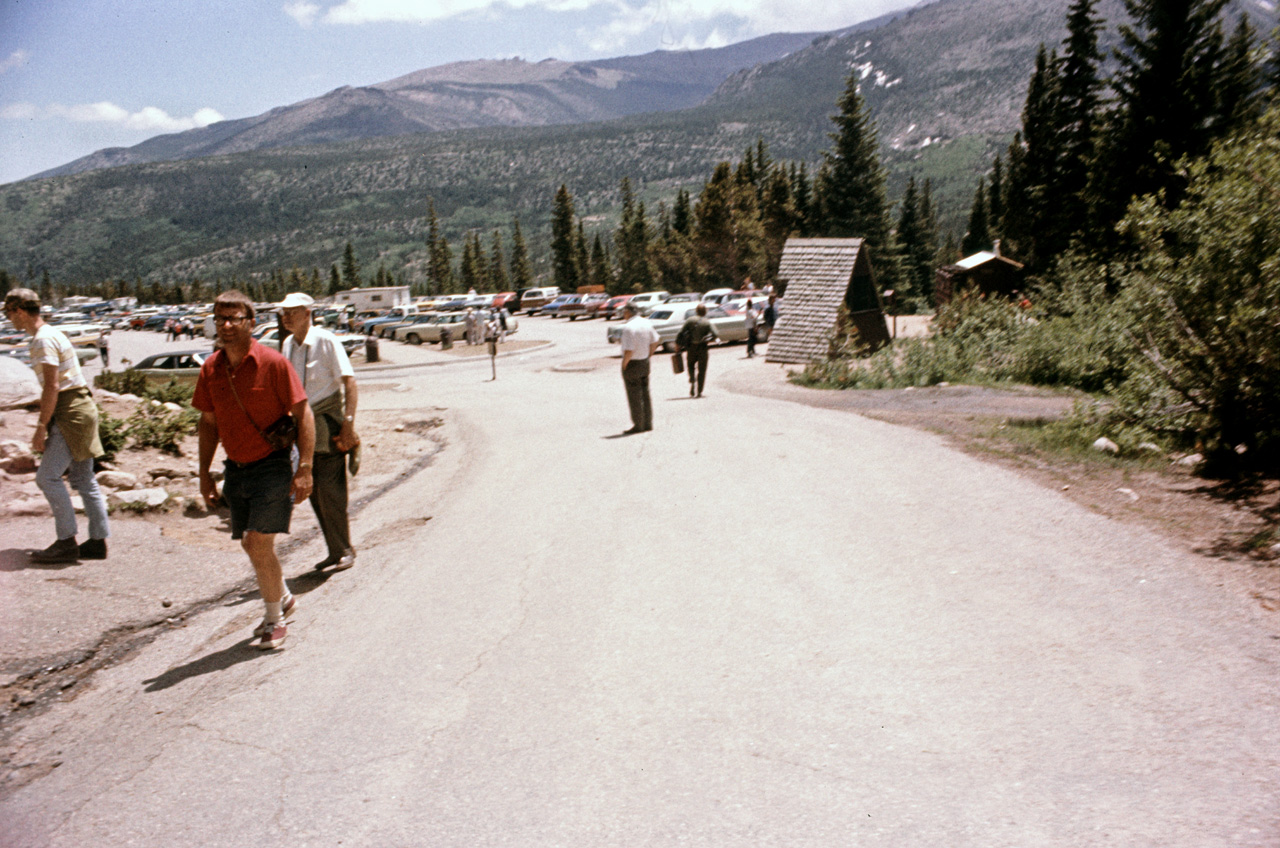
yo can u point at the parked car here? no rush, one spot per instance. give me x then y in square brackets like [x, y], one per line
[684, 297]
[429, 331]
[613, 306]
[595, 305]
[350, 342]
[581, 306]
[646, 301]
[183, 366]
[730, 324]
[552, 309]
[531, 300]
[667, 319]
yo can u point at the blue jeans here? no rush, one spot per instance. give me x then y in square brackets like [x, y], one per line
[56, 462]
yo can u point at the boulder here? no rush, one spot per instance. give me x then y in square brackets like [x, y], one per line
[28, 506]
[18, 383]
[10, 448]
[22, 464]
[1105, 445]
[1191, 460]
[140, 497]
[173, 407]
[117, 480]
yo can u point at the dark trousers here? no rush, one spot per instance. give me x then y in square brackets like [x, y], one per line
[636, 379]
[329, 500]
[697, 363]
[753, 336]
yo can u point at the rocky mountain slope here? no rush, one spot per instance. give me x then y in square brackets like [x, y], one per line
[483, 93]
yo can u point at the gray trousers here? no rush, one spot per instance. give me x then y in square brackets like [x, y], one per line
[329, 500]
[636, 379]
[696, 362]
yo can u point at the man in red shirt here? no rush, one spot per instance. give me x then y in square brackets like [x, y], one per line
[242, 390]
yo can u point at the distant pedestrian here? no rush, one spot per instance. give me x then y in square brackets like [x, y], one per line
[770, 316]
[639, 343]
[104, 349]
[753, 334]
[693, 338]
[469, 325]
[66, 433]
[245, 389]
[330, 383]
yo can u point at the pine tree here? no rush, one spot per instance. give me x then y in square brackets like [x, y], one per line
[581, 255]
[978, 236]
[917, 253]
[1166, 107]
[601, 269]
[521, 271]
[1079, 89]
[635, 270]
[1240, 90]
[563, 265]
[350, 268]
[728, 232]
[852, 181]
[439, 256]
[995, 198]
[497, 265]
[682, 216]
[802, 191]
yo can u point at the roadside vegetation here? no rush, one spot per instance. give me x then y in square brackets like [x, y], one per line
[1150, 223]
[153, 424]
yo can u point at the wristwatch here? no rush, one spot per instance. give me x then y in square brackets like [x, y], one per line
[350, 419]
[304, 465]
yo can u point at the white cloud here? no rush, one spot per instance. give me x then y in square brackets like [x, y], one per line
[147, 119]
[761, 16]
[303, 12]
[16, 59]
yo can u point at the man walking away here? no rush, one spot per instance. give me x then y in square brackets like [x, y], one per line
[639, 343]
[771, 314]
[66, 434]
[693, 338]
[753, 335]
[245, 389]
[330, 383]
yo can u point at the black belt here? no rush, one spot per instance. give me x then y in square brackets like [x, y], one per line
[280, 454]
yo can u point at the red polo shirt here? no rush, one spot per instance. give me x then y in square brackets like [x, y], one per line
[267, 386]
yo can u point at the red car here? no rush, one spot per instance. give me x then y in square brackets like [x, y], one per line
[613, 306]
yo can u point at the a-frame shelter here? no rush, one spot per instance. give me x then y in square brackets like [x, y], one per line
[815, 276]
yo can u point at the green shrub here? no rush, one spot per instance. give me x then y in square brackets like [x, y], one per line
[112, 433]
[156, 427]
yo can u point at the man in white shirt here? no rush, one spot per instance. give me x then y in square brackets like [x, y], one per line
[330, 383]
[66, 434]
[639, 342]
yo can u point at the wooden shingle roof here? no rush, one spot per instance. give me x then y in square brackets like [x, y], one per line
[818, 273]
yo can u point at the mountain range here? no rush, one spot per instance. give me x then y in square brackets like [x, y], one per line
[944, 83]
[459, 95]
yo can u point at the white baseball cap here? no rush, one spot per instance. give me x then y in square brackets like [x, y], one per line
[296, 299]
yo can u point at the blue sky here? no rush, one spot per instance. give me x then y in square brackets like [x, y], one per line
[80, 75]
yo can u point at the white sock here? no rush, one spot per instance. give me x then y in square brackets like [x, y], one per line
[273, 610]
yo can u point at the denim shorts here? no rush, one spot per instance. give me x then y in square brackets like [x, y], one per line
[258, 494]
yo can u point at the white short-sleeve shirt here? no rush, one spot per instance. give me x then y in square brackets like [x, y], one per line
[321, 363]
[638, 336]
[50, 346]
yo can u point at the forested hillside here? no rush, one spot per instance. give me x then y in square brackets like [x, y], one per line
[944, 84]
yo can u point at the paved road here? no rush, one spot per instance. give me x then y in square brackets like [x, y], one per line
[760, 624]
